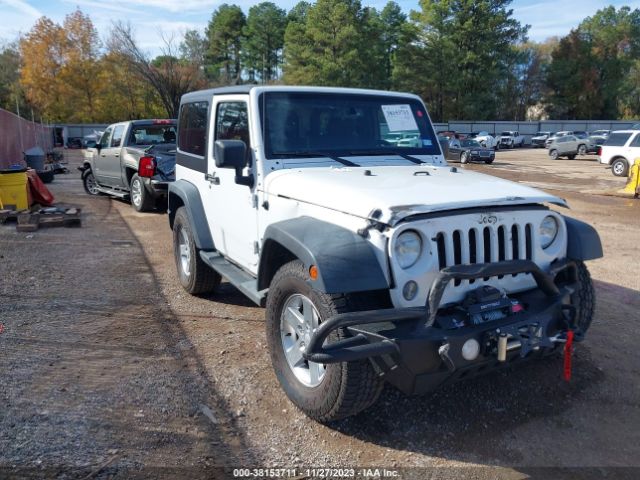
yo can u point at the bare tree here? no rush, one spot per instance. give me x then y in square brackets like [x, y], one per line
[169, 75]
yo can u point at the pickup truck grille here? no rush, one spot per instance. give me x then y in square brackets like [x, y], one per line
[484, 245]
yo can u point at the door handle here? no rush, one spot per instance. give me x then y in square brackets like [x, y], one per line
[212, 178]
[103, 155]
[117, 155]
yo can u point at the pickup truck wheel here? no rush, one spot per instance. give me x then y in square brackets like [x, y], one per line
[620, 167]
[141, 200]
[89, 183]
[195, 276]
[584, 299]
[554, 154]
[582, 150]
[323, 392]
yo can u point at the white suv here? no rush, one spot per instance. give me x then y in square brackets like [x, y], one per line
[377, 261]
[620, 150]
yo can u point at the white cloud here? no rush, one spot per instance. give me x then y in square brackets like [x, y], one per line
[115, 7]
[23, 7]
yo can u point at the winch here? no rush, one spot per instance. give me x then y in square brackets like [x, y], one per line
[487, 304]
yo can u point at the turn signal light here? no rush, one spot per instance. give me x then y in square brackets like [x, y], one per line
[313, 272]
[147, 166]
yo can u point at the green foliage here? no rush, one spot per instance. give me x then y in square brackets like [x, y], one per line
[224, 35]
[590, 72]
[263, 40]
[333, 44]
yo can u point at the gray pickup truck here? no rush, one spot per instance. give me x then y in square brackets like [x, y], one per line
[133, 160]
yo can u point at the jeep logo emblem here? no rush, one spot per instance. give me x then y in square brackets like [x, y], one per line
[487, 219]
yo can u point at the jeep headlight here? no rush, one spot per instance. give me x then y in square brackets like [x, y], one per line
[548, 230]
[407, 248]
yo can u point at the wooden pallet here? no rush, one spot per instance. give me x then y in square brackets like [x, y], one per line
[30, 221]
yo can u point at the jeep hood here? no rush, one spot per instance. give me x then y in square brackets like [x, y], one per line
[399, 191]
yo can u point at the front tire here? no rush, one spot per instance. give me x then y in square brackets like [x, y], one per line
[554, 154]
[620, 167]
[582, 150]
[323, 392]
[464, 157]
[89, 183]
[195, 276]
[584, 299]
[141, 200]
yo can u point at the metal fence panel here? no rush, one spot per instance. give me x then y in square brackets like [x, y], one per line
[18, 135]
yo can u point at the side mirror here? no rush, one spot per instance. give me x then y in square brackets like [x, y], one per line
[233, 154]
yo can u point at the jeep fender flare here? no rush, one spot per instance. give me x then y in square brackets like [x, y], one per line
[583, 241]
[184, 193]
[346, 262]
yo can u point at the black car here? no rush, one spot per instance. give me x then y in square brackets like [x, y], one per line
[469, 150]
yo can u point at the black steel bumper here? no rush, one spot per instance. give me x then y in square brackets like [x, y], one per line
[411, 348]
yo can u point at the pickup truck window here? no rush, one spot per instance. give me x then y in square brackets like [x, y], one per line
[105, 140]
[307, 124]
[192, 134]
[152, 134]
[617, 139]
[116, 140]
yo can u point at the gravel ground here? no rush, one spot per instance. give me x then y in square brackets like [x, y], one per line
[111, 370]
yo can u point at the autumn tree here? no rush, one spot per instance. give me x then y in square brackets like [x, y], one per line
[263, 40]
[10, 91]
[224, 37]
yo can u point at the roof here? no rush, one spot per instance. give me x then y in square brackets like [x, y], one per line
[245, 89]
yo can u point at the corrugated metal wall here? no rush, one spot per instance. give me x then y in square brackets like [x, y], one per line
[18, 135]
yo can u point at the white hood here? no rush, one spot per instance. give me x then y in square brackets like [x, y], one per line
[399, 191]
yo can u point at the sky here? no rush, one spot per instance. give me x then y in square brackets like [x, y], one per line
[151, 18]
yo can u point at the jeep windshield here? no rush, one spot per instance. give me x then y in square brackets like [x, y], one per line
[311, 124]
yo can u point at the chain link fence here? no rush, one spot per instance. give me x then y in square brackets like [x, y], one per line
[18, 135]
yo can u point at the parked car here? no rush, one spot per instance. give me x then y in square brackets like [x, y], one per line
[134, 160]
[484, 139]
[469, 150]
[510, 139]
[567, 146]
[539, 139]
[620, 150]
[376, 263]
[600, 136]
[589, 143]
[556, 135]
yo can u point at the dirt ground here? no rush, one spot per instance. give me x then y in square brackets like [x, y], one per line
[110, 370]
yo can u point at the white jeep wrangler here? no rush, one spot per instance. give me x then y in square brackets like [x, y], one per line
[376, 260]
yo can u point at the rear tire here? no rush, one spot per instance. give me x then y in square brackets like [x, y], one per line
[336, 390]
[141, 200]
[195, 276]
[620, 167]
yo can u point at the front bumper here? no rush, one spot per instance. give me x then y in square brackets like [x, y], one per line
[416, 349]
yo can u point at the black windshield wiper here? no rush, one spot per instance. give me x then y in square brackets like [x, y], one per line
[417, 161]
[302, 154]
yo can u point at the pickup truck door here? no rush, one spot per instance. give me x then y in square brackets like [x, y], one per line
[231, 209]
[454, 149]
[100, 171]
[110, 172]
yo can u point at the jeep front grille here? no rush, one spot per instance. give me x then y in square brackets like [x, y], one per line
[486, 244]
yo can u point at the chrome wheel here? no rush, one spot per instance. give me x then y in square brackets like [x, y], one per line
[185, 253]
[618, 168]
[136, 192]
[90, 184]
[298, 321]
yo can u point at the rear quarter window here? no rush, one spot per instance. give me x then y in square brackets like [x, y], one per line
[617, 139]
[192, 128]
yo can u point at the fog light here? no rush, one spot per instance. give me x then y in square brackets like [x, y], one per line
[410, 290]
[470, 349]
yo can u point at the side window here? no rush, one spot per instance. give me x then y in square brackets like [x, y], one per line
[192, 128]
[636, 141]
[232, 122]
[106, 138]
[116, 140]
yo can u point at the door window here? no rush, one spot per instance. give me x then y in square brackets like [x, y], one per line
[192, 131]
[106, 138]
[232, 123]
[636, 141]
[116, 141]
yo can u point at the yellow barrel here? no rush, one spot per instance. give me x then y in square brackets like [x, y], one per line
[13, 190]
